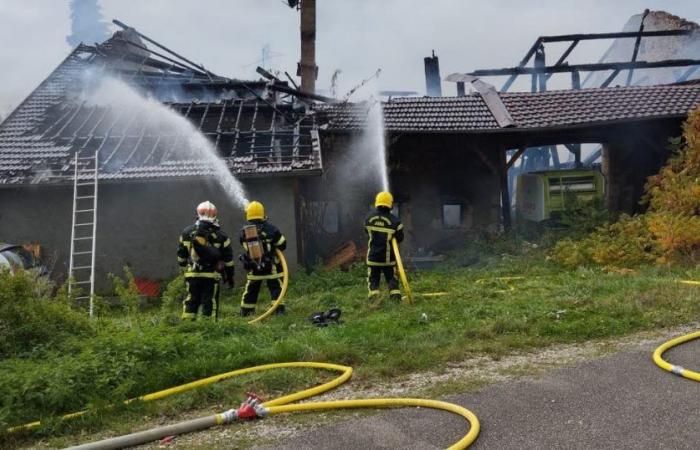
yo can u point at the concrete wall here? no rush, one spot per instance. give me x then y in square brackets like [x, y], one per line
[138, 222]
[425, 172]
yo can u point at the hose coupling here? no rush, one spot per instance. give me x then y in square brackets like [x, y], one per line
[678, 370]
[251, 408]
[229, 416]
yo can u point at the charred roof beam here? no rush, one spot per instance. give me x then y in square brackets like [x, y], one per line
[146, 38]
[620, 35]
[574, 39]
[586, 67]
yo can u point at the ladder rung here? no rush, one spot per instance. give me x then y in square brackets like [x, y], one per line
[81, 282]
[82, 267]
[86, 184]
[84, 197]
[82, 253]
[83, 224]
[84, 210]
[85, 158]
[82, 238]
[83, 297]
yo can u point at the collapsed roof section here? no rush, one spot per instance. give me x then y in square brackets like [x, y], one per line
[529, 111]
[255, 132]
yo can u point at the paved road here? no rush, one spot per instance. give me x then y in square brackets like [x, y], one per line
[621, 401]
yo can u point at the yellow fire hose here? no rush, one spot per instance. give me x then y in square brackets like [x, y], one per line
[402, 272]
[285, 283]
[678, 370]
[659, 352]
[276, 406]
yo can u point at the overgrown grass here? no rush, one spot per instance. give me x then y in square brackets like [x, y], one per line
[120, 356]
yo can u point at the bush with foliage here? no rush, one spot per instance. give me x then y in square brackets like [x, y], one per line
[32, 318]
[668, 233]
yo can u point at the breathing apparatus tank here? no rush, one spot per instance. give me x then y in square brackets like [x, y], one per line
[254, 244]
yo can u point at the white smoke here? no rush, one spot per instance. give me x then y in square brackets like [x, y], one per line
[86, 23]
[118, 96]
[368, 161]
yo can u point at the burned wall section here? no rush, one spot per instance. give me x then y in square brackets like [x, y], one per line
[138, 223]
[447, 187]
[631, 154]
[442, 187]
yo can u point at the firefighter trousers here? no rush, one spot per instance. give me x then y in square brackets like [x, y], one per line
[374, 275]
[202, 292]
[252, 290]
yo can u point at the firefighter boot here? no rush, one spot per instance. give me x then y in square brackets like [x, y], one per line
[245, 312]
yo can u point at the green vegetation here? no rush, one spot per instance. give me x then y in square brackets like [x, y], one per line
[668, 233]
[55, 361]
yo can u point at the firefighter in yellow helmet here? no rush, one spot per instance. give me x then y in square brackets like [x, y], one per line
[205, 252]
[260, 240]
[381, 227]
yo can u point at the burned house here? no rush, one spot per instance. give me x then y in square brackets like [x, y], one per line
[448, 157]
[150, 180]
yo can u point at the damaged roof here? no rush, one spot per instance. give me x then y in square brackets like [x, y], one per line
[252, 131]
[529, 111]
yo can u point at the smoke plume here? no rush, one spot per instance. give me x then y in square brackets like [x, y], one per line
[86, 23]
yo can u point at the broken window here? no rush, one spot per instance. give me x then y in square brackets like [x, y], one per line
[451, 215]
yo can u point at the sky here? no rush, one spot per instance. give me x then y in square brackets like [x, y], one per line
[357, 37]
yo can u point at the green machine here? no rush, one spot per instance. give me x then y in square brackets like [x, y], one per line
[540, 195]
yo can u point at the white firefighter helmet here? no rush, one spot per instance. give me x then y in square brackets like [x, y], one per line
[206, 211]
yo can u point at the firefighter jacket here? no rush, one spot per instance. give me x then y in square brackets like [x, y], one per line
[271, 239]
[381, 227]
[203, 246]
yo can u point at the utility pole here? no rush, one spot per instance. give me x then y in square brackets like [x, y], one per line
[307, 66]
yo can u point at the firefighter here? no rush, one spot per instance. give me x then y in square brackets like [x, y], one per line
[205, 252]
[260, 240]
[381, 227]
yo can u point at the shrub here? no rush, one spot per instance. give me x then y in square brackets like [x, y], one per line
[31, 318]
[668, 233]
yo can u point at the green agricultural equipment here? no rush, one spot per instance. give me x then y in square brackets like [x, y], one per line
[541, 196]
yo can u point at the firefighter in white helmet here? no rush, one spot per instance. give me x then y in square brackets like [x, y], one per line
[205, 252]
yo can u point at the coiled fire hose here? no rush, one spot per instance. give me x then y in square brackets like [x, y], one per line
[283, 292]
[658, 359]
[255, 408]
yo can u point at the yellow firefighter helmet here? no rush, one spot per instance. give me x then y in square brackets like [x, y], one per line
[384, 198]
[255, 211]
